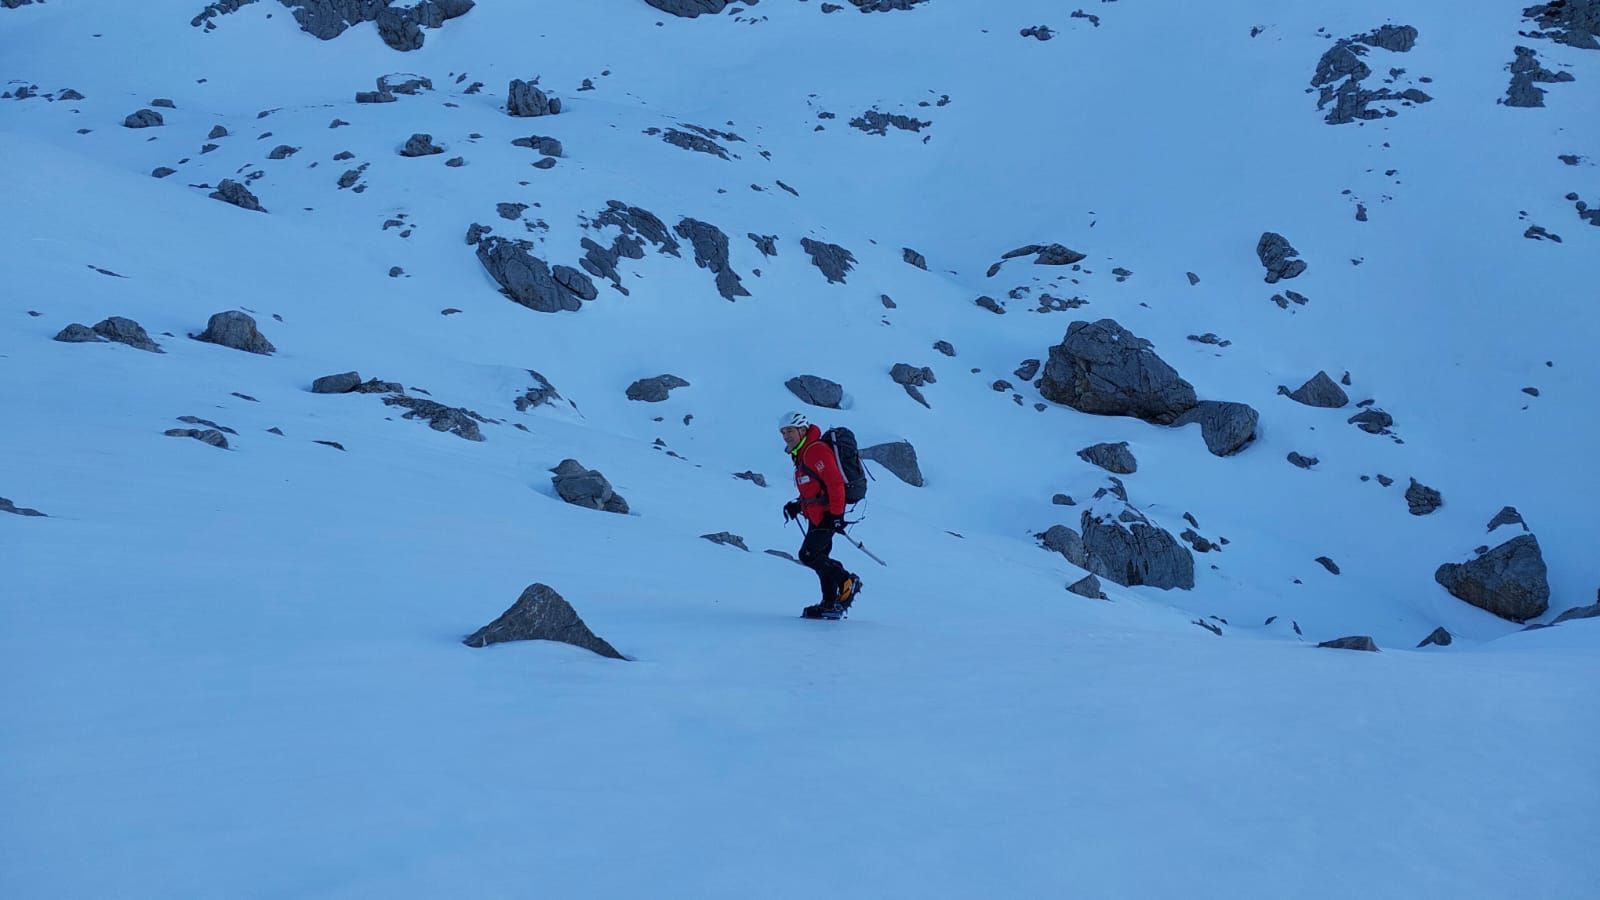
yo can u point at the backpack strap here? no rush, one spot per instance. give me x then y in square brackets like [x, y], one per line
[799, 462]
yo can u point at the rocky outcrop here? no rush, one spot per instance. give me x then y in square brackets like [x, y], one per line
[727, 538]
[833, 260]
[205, 436]
[1088, 586]
[1578, 612]
[1437, 637]
[690, 9]
[541, 614]
[1353, 642]
[1421, 499]
[816, 391]
[1129, 550]
[654, 390]
[1320, 391]
[1111, 457]
[230, 191]
[1509, 581]
[525, 100]
[1341, 71]
[459, 421]
[586, 487]
[530, 281]
[899, 457]
[1278, 257]
[10, 507]
[1575, 23]
[1526, 74]
[1103, 368]
[912, 378]
[711, 252]
[236, 330]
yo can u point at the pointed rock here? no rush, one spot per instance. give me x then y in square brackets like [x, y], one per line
[541, 614]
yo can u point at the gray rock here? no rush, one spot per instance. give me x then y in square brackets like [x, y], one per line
[816, 391]
[1038, 32]
[542, 393]
[508, 211]
[526, 100]
[914, 258]
[1578, 612]
[1087, 586]
[207, 436]
[230, 191]
[1572, 22]
[875, 121]
[766, 243]
[1103, 368]
[991, 305]
[1111, 457]
[1526, 72]
[1509, 581]
[711, 252]
[1372, 421]
[528, 280]
[899, 457]
[78, 333]
[1063, 500]
[944, 347]
[586, 487]
[8, 506]
[126, 331]
[1027, 370]
[1320, 391]
[689, 9]
[144, 118]
[575, 282]
[235, 330]
[1277, 255]
[546, 146]
[459, 421]
[1067, 542]
[1507, 515]
[282, 151]
[754, 477]
[654, 390]
[1304, 462]
[1130, 551]
[1225, 426]
[420, 144]
[698, 143]
[541, 614]
[1438, 636]
[1045, 255]
[728, 538]
[375, 386]
[1353, 642]
[342, 383]
[1422, 499]
[1328, 564]
[833, 260]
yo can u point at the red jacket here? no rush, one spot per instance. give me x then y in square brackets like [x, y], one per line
[812, 453]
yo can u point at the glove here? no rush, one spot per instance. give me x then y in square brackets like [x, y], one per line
[791, 510]
[834, 523]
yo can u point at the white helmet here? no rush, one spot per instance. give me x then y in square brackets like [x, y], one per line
[794, 419]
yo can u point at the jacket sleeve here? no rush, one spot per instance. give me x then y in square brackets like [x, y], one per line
[827, 467]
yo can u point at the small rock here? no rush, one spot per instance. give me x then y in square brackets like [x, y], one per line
[586, 487]
[8, 506]
[727, 538]
[1111, 457]
[1507, 515]
[756, 477]
[207, 436]
[144, 118]
[1063, 500]
[1304, 462]
[1320, 391]
[230, 191]
[1087, 586]
[944, 347]
[77, 333]
[1354, 642]
[1328, 564]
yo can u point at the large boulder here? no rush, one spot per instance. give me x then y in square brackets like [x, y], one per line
[654, 390]
[541, 614]
[816, 391]
[898, 457]
[1103, 368]
[1509, 581]
[528, 280]
[1129, 550]
[526, 100]
[1225, 426]
[237, 330]
[1067, 542]
[586, 487]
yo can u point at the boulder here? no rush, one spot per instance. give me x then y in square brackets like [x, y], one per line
[1111, 457]
[144, 118]
[1508, 581]
[1578, 612]
[230, 191]
[1372, 421]
[1422, 499]
[914, 258]
[711, 253]
[78, 333]
[1353, 642]
[1088, 586]
[898, 457]
[420, 145]
[586, 487]
[528, 280]
[1320, 391]
[343, 383]
[10, 507]
[1102, 368]
[1129, 550]
[206, 436]
[1067, 542]
[654, 390]
[541, 614]
[1507, 515]
[236, 330]
[1438, 636]
[833, 260]
[728, 538]
[546, 146]
[816, 391]
[462, 423]
[1277, 255]
[1225, 426]
[525, 100]
[126, 331]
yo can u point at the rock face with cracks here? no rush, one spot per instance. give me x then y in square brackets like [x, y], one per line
[1102, 368]
[1509, 581]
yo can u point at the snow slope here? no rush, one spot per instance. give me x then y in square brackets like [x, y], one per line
[239, 673]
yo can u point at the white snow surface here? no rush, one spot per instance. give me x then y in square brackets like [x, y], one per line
[239, 673]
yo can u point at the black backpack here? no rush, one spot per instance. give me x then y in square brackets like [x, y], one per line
[843, 442]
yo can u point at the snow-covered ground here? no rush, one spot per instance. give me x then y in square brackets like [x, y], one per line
[239, 673]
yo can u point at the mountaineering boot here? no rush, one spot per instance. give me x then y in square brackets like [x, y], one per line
[833, 611]
[814, 611]
[849, 590]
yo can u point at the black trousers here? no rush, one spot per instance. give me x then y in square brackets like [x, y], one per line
[814, 554]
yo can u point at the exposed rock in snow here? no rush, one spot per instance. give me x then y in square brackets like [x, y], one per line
[1372, 420]
[10, 507]
[912, 379]
[1353, 642]
[1040, 32]
[1111, 457]
[524, 99]
[1341, 70]
[899, 457]
[698, 143]
[728, 538]
[1438, 636]
[1526, 73]
[541, 614]
[529, 280]
[1226, 427]
[945, 347]
[144, 118]
[237, 330]
[766, 243]
[877, 122]
[1088, 586]
[654, 390]
[1129, 550]
[1578, 612]
[1507, 515]
[1422, 499]
[1277, 255]
[1320, 391]
[816, 391]
[1328, 564]
[833, 260]
[586, 487]
[1304, 462]
[342, 383]
[1508, 581]
[230, 191]
[206, 436]
[545, 146]
[689, 9]
[1575, 23]
[914, 258]
[711, 252]
[282, 151]
[126, 331]
[541, 394]
[755, 478]
[1103, 368]
[420, 145]
[78, 333]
